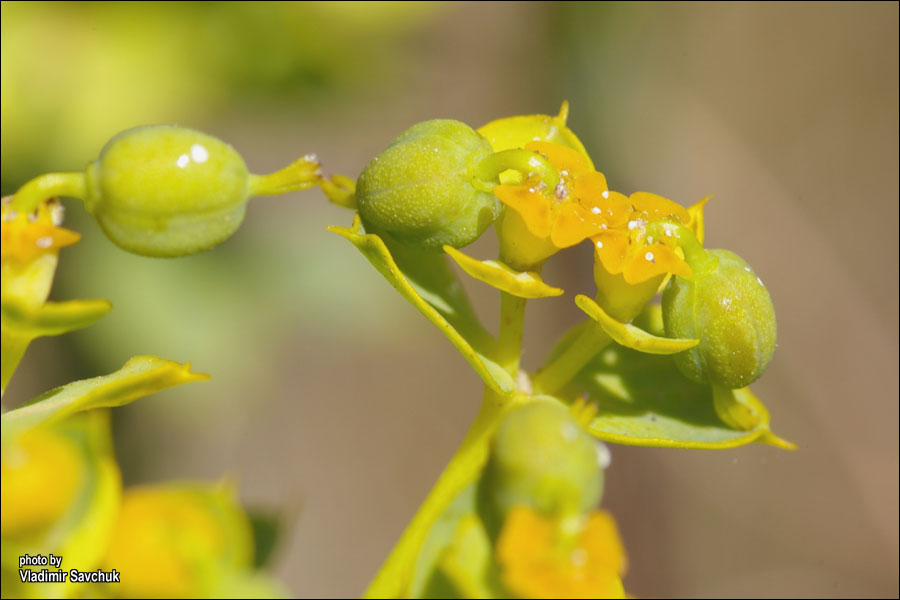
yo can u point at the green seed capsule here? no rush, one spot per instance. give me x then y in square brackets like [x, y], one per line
[162, 190]
[727, 307]
[541, 457]
[167, 191]
[420, 188]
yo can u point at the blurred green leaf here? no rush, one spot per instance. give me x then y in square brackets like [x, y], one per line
[139, 377]
[268, 531]
[643, 400]
[438, 539]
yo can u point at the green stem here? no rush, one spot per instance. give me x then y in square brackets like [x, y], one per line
[695, 256]
[564, 367]
[340, 190]
[395, 576]
[509, 341]
[303, 173]
[487, 172]
[50, 185]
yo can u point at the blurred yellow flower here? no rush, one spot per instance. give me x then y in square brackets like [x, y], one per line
[41, 471]
[174, 540]
[539, 558]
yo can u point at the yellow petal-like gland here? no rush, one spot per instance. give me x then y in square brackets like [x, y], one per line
[656, 207]
[568, 162]
[523, 284]
[573, 225]
[611, 248]
[651, 260]
[590, 185]
[531, 204]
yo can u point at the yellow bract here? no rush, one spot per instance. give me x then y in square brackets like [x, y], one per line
[539, 560]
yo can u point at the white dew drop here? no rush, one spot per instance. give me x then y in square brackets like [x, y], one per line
[604, 456]
[605, 193]
[579, 557]
[569, 432]
[649, 257]
[57, 213]
[599, 244]
[183, 161]
[596, 210]
[199, 153]
[44, 241]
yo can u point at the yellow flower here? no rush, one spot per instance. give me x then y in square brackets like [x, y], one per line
[540, 559]
[542, 221]
[634, 253]
[30, 251]
[27, 237]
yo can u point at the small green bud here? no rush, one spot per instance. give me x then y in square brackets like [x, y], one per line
[167, 191]
[727, 307]
[541, 457]
[421, 190]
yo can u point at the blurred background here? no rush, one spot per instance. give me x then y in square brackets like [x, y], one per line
[334, 401]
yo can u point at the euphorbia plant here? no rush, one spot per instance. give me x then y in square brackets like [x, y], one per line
[515, 511]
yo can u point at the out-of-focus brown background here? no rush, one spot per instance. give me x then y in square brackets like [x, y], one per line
[332, 398]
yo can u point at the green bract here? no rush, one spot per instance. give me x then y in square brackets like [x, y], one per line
[167, 191]
[420, 188]
[541, 457]
[727, 307]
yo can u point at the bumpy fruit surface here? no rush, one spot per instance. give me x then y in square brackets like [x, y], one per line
[420, 188]
[542, 458]
[729, 310]
[163, 190]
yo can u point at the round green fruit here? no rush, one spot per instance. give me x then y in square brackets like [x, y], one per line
[541, 457]
[729, 310]
[162, 190]
[420, 188]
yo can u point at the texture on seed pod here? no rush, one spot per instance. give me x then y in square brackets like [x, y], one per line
[162, 190]
[542, 458]
[729, 310]
[420, 188]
